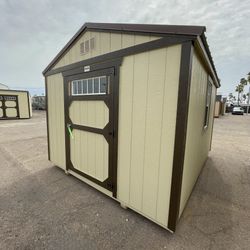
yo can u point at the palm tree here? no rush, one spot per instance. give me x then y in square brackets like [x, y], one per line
[230, 96]
[239, 89]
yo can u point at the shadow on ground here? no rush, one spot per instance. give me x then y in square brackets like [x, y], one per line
[42, 208]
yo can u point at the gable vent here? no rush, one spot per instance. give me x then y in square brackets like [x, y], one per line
[87, 46]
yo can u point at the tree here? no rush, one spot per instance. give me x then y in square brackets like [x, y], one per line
[243, 82]
[230, 96]
[239, 89]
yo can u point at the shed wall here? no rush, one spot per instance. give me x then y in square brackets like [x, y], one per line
[23, 102]
[217, 109]
[147, 117]
[55, 98]
[105, 42]
[198, 139]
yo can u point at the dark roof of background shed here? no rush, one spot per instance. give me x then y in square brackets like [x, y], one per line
[138, 28]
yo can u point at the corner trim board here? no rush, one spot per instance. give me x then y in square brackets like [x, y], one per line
[28, 97]
[47, 116]
[180, 133]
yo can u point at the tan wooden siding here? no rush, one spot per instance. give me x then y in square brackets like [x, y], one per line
[22, 102]
[23, 105]
[89, 113]
[217, 109]
[104, 43]
[30, 106]
[147, 117]
[198, 139]
[89, 154]
[56, 119]
[11, 112]
[10, 103]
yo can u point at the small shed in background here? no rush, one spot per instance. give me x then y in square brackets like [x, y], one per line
[220, 106]
[130, 112]
[14, 104]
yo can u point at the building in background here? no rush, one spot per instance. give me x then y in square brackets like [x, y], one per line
[220, 106]
[14, 104]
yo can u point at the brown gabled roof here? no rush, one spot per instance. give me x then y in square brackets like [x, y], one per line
[138, 28]
[148, 28]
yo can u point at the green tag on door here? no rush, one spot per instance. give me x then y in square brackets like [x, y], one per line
[70, 132]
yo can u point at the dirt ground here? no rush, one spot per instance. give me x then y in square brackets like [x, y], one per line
[42, 208]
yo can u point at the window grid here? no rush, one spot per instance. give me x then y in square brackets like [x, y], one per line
[87, 86]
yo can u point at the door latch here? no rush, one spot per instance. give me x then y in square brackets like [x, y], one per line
[70, 130]
[112, 133]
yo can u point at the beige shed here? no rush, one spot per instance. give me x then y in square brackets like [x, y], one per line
[15, 104]
[130, 112]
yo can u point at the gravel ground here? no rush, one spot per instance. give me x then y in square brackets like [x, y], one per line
[42, 208]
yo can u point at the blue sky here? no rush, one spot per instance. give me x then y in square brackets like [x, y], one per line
[34, 32]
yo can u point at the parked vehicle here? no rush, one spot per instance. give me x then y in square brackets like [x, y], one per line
[238, 111]
[38, 102]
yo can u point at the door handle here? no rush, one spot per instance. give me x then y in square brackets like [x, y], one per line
[70, 130]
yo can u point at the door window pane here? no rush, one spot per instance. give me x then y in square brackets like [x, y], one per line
[79, 85]
[96, 85]
[90, 86]
[84, 87]
[103, 84]
[74, 88]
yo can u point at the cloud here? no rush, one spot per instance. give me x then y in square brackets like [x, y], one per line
[34, 31]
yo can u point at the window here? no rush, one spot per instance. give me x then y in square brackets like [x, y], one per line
[90, 86]
[87, 45]
[208, 104]
[9, 98]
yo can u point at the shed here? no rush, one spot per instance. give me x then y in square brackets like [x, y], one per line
[130, 112]
[14, 104]
[220, 106]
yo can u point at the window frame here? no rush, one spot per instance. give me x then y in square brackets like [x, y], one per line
[75, 90]
[208, 104]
